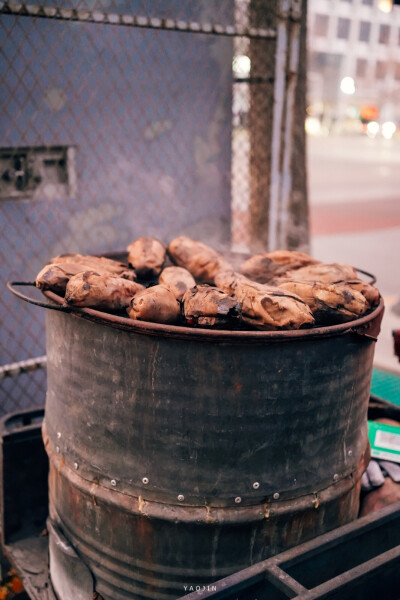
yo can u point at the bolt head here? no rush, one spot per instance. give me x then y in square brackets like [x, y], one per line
[145, 480]
[181, 497]
[238, 499]
[256, 485]
[276, 496]
[113, 482]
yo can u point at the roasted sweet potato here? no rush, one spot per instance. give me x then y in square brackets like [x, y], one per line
[55, 277]
[263, 267]
[329, 303]
[106, 292]
[370, 292]
[200, 260]
[157, 304]
[324, 272]
[147, 256]
[100, 264]
[263, 306]
[177, 279]
[207, 306]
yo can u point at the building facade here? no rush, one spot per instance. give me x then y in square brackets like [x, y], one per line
[358, 40]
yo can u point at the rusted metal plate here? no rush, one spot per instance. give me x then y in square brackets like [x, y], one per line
[29, 556]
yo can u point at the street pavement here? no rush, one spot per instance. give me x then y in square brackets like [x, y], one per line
[354, 192]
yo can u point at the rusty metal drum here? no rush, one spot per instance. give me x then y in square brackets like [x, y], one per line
[179, 456]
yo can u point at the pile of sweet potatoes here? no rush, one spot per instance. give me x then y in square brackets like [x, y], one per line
[189, 283]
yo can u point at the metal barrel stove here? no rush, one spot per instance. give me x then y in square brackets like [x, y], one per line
[179, 456]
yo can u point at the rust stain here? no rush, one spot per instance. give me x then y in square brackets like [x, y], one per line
[266, 511]
[60, 464]
[238, 386]
[316, 501]
[209, 518]
[144, 536]
[141, 505]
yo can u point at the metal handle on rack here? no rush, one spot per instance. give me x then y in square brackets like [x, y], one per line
[372, 277]
[11, 286]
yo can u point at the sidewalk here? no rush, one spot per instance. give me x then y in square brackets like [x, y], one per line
[378, 252]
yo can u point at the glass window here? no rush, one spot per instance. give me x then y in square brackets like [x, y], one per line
[361, 67]
[365, 31]
[321, 24]
[380, 71]
[343, 29]
[384, 34]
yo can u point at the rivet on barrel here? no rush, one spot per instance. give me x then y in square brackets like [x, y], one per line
[181, 497]
[256, 485]
[145, 480]
[113, 482]
[58, 434]
[76, 466]
[335, 477]
[276, 496]
[350, 452]
[238, 499]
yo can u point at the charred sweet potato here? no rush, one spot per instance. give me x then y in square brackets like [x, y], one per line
[370, 292]
[324, 272]
[105, 292]
[200, 260]
[265, 307]
[157, 304]
[55, 277]
[207, 306]
[147, 256]
[177, 279]
[329, 303]
[263, 267]
[100, 264]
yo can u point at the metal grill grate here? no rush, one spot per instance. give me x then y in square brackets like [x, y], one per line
[153, 130]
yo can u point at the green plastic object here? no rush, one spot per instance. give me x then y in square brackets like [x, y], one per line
[386, 385]
[385, 441]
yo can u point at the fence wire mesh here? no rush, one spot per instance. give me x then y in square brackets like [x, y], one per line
[113, 132]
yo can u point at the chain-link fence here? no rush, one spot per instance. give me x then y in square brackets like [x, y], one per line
[123, 118]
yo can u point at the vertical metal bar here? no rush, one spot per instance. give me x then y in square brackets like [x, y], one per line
[286, 70]
[240, 192]
[291, 82]
[278, 116]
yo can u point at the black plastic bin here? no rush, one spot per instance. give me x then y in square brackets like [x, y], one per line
[359, 561]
